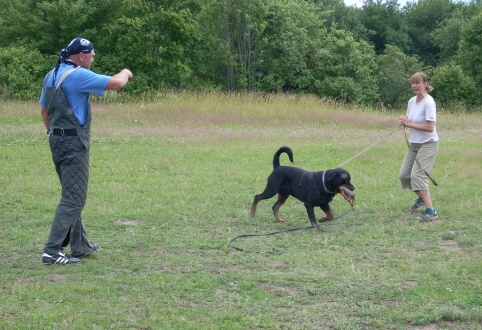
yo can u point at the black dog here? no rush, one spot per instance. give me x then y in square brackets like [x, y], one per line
[312, 188]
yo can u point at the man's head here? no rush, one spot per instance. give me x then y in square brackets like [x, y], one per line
[79, 45]
[80, 51]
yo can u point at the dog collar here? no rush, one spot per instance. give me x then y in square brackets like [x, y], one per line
[324, 186]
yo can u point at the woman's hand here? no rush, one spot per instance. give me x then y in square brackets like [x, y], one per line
[429, 126]
[405, 122]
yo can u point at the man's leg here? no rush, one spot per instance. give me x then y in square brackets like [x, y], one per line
[72, 165]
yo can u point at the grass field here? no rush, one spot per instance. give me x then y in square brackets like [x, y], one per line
[172, 182]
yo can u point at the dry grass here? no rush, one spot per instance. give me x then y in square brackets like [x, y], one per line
[194, 109]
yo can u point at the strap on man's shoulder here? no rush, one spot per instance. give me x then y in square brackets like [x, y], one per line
[65, 75]
[47, 77]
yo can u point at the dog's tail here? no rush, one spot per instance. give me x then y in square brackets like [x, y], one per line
[286, 150]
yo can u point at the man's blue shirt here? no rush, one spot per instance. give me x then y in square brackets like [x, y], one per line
[77, 87]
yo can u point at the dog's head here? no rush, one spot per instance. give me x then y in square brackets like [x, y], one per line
[338, 181]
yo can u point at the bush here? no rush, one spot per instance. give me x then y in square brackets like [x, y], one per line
[453, 88]
[395, 69]
[22, 72]
[345, 69]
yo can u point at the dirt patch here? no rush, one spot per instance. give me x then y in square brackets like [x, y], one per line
[425, 327]
[280, 289]
[57, 277]
[124, 222]
[432, 326]
[162, 250]
[449, 245]
[16, 256]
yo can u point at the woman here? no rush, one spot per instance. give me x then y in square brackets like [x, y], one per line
[420, 118]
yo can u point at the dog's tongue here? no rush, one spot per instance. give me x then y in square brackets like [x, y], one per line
[347, 194]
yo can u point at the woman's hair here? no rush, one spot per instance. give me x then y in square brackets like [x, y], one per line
[421, 77]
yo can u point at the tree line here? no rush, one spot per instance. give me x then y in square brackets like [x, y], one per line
[364, 55]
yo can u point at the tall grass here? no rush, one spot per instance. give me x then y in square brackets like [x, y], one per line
[172, 180]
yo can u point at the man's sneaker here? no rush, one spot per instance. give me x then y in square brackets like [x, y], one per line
[428, 214]
[418, 204]
[59, 258]
[95, 247]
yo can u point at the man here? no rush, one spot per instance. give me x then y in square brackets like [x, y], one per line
[65, 109]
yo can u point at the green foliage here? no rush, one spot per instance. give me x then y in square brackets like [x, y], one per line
[210, 58]
[346, 69]
[336, 15]
[48, 26]
[318, 46]
[422, 18]
[291, 38]
[235, 31]
[452, 88]
[385, 24]
[394, 72]
[151, 40]
[470, 50]
[447, 35]
[21, 72]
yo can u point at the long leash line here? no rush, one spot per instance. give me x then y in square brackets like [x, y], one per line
[384, 138]
[277, 251]
[371, 146]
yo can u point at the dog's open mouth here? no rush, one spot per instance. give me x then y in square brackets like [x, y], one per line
[348, 194]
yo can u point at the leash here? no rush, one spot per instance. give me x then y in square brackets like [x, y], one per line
[274, 250]
[370, 147]
[384, 138]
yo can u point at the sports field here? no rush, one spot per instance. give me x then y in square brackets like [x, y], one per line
[172, 181]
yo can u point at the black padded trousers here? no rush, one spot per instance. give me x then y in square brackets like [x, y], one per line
[71, 161]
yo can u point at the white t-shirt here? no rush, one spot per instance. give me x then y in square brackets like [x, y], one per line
[420, 113]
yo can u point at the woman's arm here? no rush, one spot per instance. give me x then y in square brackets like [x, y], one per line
[429, 126]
